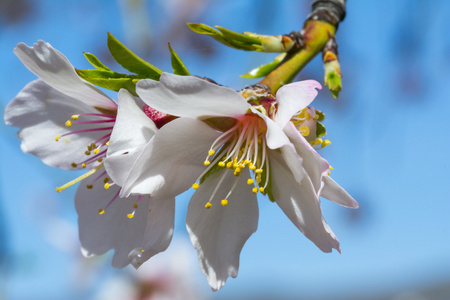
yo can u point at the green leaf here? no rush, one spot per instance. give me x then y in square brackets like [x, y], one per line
[321, 115]
[177, 65]
[235, 36]
[320, 129]
[95, 61]
[110, 80]
[130, 61]
[264, 70]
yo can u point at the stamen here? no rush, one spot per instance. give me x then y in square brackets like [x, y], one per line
[224, 202]
[304, 130]
[68, 123]
[85, 175]
[102, 211]
[57, 137]
[208, 205]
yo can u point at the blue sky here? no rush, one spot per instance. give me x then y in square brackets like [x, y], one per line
[389, 130]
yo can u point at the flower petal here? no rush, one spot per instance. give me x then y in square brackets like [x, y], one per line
[158, 232]
[172, 160]
[294, 97]
[334, 192]
[219, 233]
[275, 136]
[113, 229]
[132, 131]
[293, 161]
[54, 68]
[316, 167]
[188, 96]
[301, 205]
[41, 112]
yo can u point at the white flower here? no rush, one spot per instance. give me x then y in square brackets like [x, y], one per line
[229, 146]
[41, 111]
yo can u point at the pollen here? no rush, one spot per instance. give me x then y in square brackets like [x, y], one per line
[107, 143]
[135, 205]
[255, 190]
[221, 164]
[68, 123]
[252, 167]
[206, 162]
[57, 137]
[96, 151]
[304, 130]
[75, 117]
[106, 186]
[325, 143]
[87, 152]
[258, 171]
[106, 180]
[229, 165]
[224, 202]
[84, 165]
[261, 189]
[250, 181]
[331, 168]
[130, 216]
[208, 205]
[89, 186]
[211, 152]
[101, 211]
[195, 186]
[74, 165]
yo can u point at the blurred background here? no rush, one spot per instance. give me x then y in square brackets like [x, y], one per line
[389, 128]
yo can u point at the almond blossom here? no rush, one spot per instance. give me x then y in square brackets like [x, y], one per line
[229, 146]
[67, 123]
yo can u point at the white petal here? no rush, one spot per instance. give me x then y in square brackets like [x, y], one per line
[41, 112]
[294, 97]
[54, 68]
[301, 205]
[132, 131]
[188, 96]
[293, 161]
[275, 136]
[219, 233]
[316, 166]
[113, 229]
[334, 192]
[158, 232]
[172, 160]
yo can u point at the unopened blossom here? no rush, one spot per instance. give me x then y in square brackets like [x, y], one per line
[229, 146]
[68, 123]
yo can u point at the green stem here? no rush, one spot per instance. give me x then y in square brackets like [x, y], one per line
[315, 35]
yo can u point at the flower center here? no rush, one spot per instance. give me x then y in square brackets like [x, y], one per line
[159, 118]
[242, 146]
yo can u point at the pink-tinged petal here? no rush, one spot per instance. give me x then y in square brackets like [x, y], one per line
[301, 205]
[41, 112]
[294, 97]
[187, 96]
[334, 192]
[315, 166]
[158, 232]
[52, 67]
[173, 159]
[132, 131]
[113, 229]
[275, 136]
[220, 232]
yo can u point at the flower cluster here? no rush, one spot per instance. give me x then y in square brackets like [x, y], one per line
[180, 132]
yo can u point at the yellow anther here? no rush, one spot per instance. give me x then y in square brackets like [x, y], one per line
[106, 180]
[57, 137]
[107, 143]
[142, 251]
[93, 145]
[252, 167]
[74, 165]
[318, 142]
[235, 160]
[195, 186]
[100, 159]
[258, 171]
[75, 117]
[89, 148]
[329, 173]
[307, 115]
[331, 168]
[304, 130]
[261, 189]
[89, 186]
[135, 205]
[66, 140]
[208, 205]
[211, 152]
[68, 123]
[224, 202]
[241, 165]
[250, 181]
[255, 190]
[237, 170]
[221, 164]
[87, 153]
[258, 178]
[96, 151]
[206, 162]
[101, 211]
[229, 165]
[130, 216]
[150, 210]
[84, 165]
[325, 143]
[106, 186]
[247, 162]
